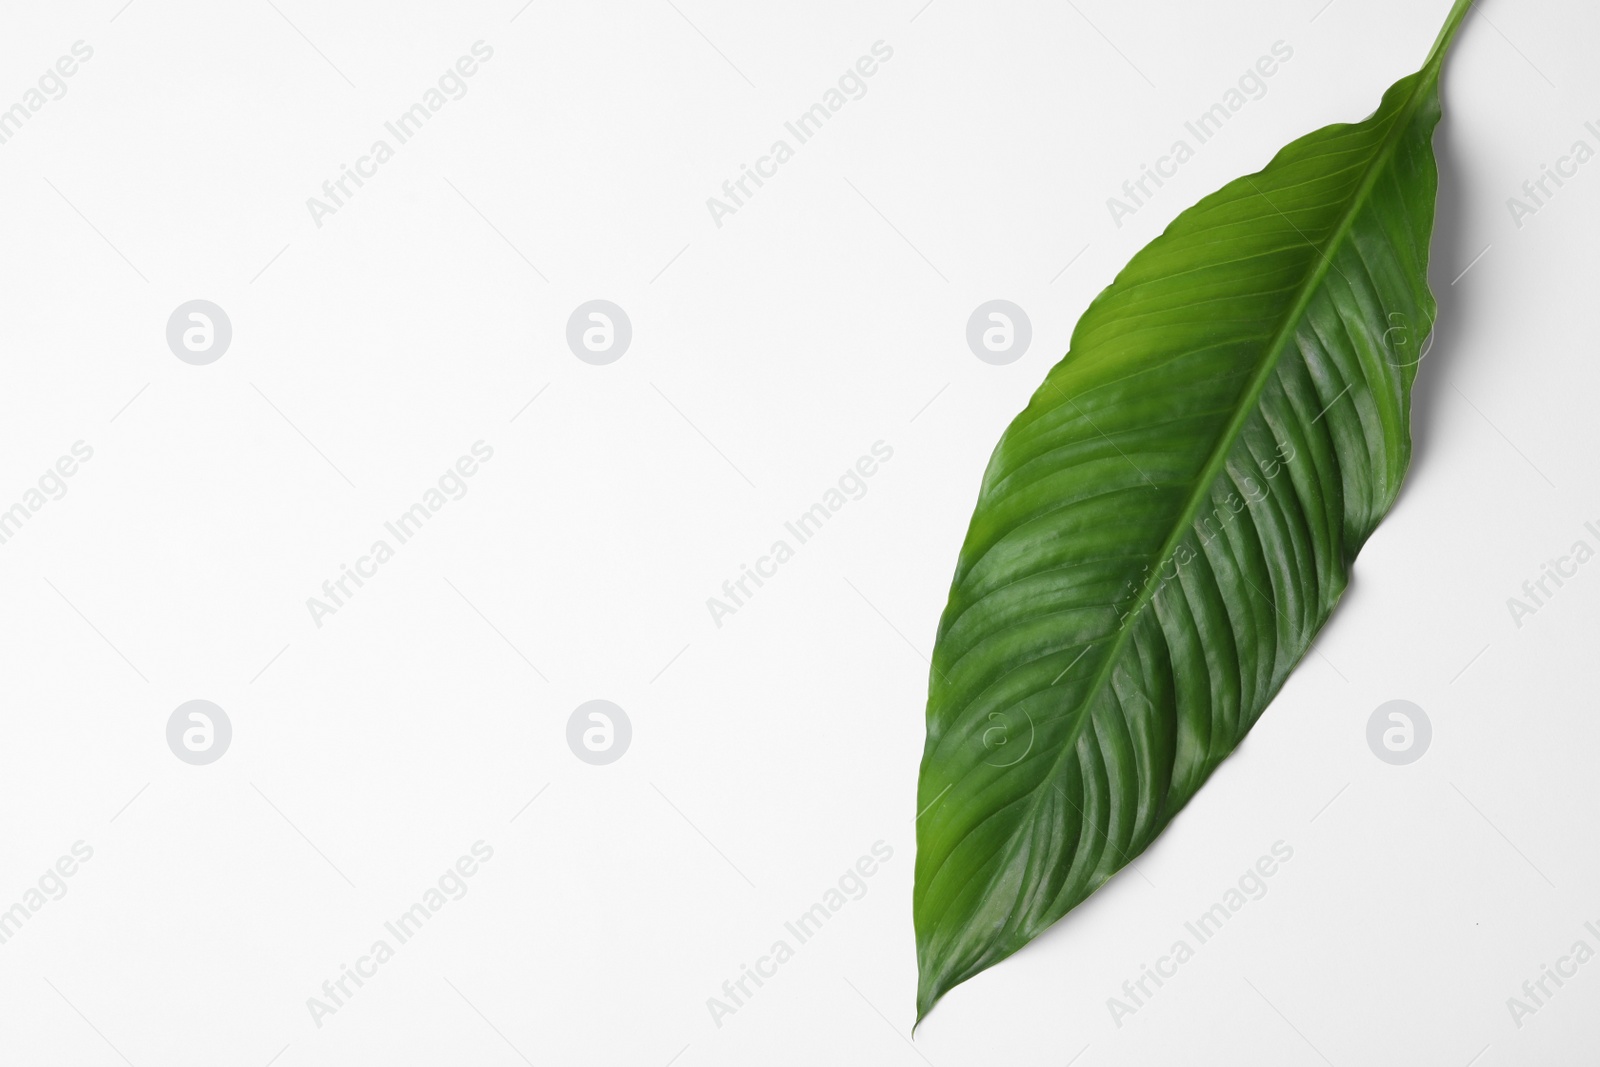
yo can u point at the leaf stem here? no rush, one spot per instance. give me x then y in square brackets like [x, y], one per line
[1458, 15]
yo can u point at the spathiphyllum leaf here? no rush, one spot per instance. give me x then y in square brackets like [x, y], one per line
[1165, 528]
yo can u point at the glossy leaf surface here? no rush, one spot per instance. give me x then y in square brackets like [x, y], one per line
[1163, 531]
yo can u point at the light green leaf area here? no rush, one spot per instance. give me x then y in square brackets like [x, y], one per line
[1165, 528]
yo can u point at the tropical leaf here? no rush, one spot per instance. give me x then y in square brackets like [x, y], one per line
[1165, 528]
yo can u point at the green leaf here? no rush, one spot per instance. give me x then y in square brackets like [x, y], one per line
[1165, 528]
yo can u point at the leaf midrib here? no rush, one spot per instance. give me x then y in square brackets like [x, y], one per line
[1426, 79]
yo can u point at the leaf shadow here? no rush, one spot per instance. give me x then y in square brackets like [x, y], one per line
[1450, 255]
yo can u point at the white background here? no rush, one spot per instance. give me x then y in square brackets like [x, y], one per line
[768, 355]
